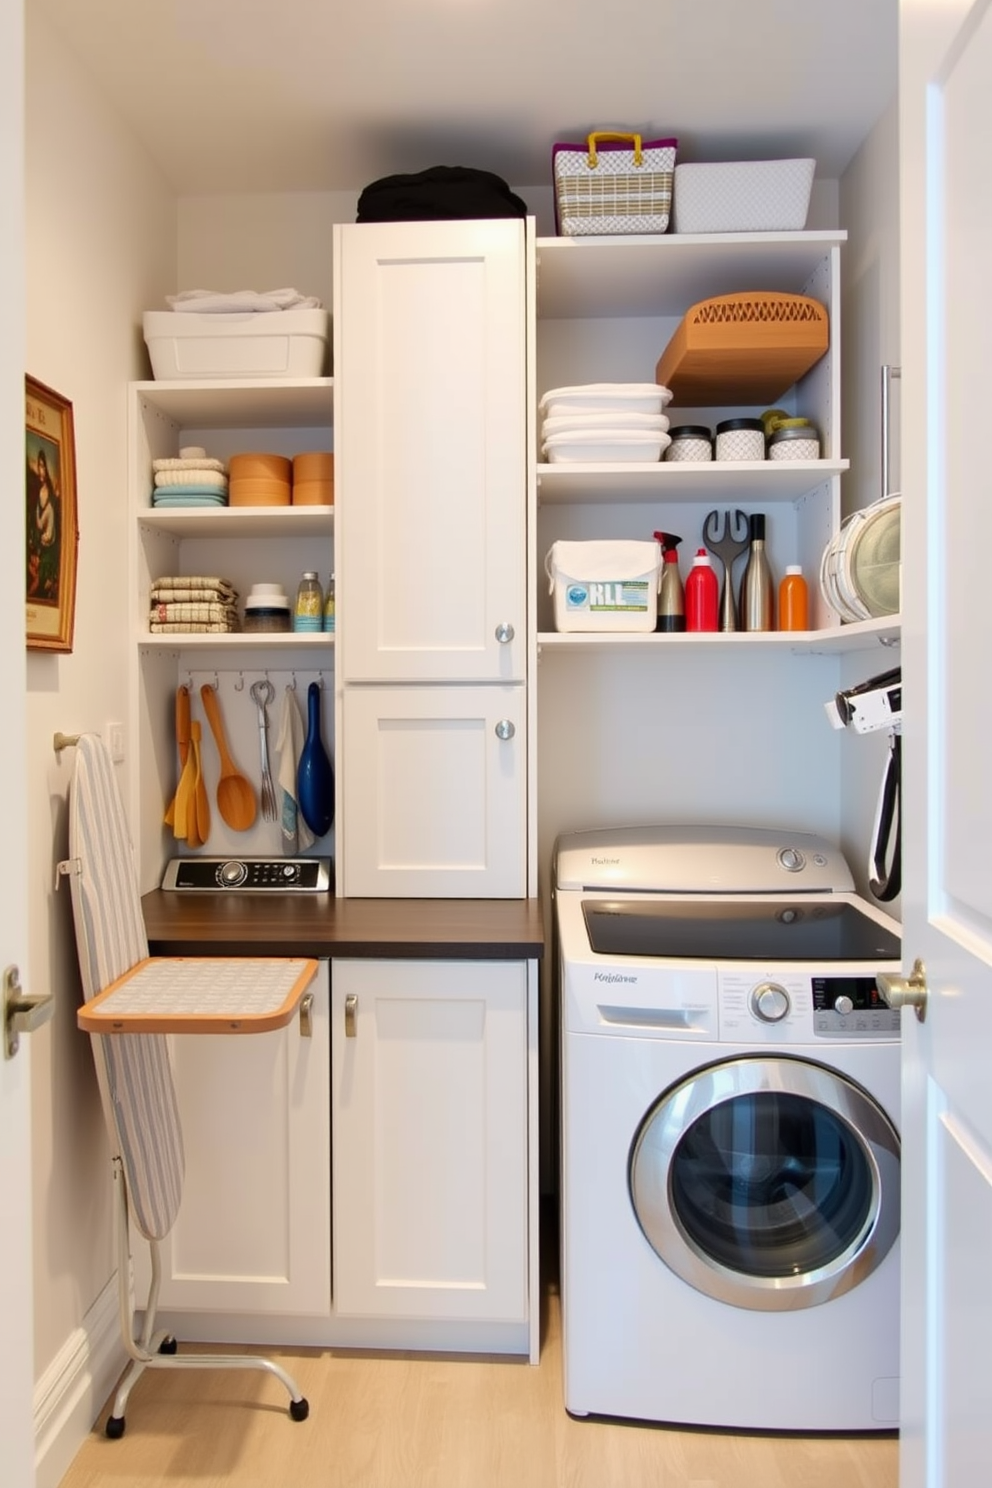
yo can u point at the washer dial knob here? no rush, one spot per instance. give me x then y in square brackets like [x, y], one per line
[843, 1005]
[791, 859]
[231, 874]
[770, 1002]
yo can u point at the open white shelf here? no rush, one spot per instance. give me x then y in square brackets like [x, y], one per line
[863, 635]
[222, 403]
[240, 521]
[716, 481]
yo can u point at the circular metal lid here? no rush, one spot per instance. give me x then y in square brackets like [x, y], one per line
[796, 431]
[729, 425]
[691, 431]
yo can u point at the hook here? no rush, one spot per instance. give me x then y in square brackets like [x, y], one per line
[239, 686]
[291, 686]
[64, 741]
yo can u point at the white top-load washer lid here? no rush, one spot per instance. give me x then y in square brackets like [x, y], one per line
[700, 860]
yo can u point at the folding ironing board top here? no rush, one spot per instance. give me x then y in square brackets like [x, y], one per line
[201, 994]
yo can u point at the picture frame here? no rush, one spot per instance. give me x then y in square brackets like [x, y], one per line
[51, 521]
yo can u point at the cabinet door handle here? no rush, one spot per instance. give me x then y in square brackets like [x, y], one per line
[350, 1015]
[505, 729]
[505, 633]
[306, 1016]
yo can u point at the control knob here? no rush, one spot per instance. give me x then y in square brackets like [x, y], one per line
[843, 1005]
[231, 874]
[770, 1002]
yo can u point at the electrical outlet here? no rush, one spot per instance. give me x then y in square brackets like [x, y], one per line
[115, 741]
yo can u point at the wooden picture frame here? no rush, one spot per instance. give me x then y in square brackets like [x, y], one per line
[52, 529]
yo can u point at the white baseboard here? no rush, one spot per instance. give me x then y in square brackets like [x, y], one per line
[71, 1393]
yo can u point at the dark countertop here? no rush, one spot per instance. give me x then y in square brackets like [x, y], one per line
[184, 924]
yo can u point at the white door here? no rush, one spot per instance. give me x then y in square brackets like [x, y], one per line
[16, 1357]
[434, 792]
[430, 450]
[430, 1140]
[946, 240]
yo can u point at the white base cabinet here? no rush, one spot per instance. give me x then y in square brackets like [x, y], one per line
[253, 1231]
[434, 1167]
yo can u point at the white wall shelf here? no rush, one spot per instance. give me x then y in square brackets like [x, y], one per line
[241, 641]
[723, 481]
[240, 521]
[241, 403]
[666, 273]
[864, 635]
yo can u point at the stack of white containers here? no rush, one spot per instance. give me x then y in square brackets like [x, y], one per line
[605, 422]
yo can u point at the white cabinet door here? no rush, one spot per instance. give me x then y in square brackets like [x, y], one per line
[430, 450]
[253, 1232]
[430, 1139]
[434, 792]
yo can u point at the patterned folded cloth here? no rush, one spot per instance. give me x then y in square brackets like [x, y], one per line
[171, 588]
[195, 610]
[190, 627]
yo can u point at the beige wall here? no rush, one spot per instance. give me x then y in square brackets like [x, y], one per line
[101, 234]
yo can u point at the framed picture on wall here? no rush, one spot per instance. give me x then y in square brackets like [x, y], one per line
[51, 522]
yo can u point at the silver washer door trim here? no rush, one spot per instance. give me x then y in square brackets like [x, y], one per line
[667, 1122]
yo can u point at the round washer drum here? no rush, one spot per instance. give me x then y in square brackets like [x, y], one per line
[767, 1183]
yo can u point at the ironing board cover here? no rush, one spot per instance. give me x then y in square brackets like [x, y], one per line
[139, 1094]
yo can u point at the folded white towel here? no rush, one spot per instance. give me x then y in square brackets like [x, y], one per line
[213, 480]
[216, 302]
[296, 835]
[188, 462]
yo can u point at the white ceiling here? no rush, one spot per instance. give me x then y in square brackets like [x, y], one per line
[312, 95]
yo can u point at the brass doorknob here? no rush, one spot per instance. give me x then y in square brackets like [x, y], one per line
[911, 991]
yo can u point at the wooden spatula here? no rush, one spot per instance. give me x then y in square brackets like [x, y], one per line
[182, 743]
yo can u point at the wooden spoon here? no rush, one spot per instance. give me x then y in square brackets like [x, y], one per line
[201, 799]
[184, 816]
[182, 743]
[235, 792]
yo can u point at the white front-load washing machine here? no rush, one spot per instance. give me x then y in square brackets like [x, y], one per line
[729, 1130]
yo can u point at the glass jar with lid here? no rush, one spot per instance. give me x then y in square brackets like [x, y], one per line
[308, 613]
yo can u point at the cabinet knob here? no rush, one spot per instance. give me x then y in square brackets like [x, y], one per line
[505, 729]
[504, 633]
[350, 1015]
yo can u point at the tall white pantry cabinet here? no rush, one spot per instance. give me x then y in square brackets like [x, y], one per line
[430, 348]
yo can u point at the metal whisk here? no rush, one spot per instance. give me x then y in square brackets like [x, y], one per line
[263, 693]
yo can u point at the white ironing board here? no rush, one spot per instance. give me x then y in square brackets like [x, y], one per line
[131, 1002]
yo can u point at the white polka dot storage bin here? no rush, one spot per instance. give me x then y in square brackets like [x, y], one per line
[740, 439]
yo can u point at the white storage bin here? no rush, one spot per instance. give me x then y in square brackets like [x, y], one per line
[742, 196]
[605, 397]
[604, 585]
[605, 447]
[275, 343]
[588, 422]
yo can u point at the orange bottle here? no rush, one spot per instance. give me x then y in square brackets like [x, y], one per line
[793, 600]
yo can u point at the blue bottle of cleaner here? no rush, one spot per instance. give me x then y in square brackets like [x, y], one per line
[671, 595]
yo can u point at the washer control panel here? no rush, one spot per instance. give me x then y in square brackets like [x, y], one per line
[851, 1006]
[249, 875]
[770, 1006]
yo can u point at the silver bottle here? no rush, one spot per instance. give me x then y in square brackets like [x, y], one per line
[757, 590]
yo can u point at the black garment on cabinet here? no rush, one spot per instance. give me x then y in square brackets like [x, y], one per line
[441, 193]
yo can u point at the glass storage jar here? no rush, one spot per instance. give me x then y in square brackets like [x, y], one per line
[309, 611]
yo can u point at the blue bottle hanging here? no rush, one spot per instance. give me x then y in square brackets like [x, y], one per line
[315, 775]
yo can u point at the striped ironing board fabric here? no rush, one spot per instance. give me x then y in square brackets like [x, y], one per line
[201, 994]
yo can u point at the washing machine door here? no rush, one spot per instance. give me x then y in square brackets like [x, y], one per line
[768, 1183]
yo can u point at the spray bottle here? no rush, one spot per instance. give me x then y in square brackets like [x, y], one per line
[671, 596]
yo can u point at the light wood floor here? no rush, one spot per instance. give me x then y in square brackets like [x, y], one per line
[398, 1421]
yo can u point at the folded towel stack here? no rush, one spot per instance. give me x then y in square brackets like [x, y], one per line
[193, 603]
[194, 479]
[241, 301]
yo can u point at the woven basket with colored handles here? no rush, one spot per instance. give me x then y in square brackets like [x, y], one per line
[613, 183]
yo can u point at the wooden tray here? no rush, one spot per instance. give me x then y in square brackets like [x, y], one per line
[743, 348]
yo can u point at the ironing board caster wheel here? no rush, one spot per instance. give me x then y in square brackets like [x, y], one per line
[115, 1427]
[168, 1346]
[299, 1409]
